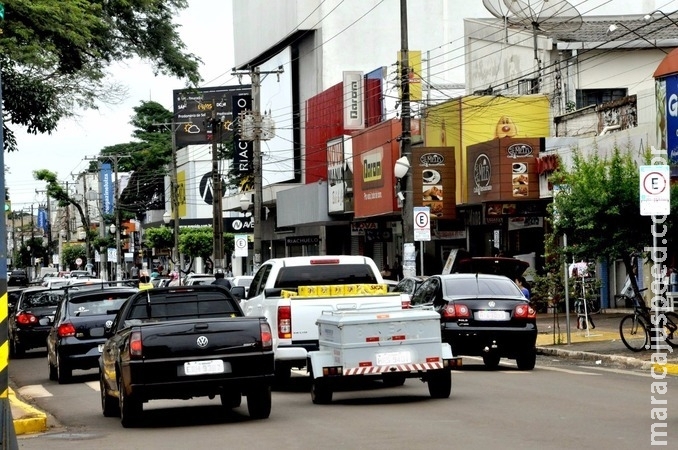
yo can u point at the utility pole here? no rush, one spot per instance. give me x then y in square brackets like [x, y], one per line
[217, 215]
[176, 258]
[409, 263]
[264, 129]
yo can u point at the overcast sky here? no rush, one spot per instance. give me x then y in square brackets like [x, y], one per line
[205, 29]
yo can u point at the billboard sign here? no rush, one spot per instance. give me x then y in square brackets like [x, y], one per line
[243, 151]
[193, 106]
[107, 188]
[354, 116]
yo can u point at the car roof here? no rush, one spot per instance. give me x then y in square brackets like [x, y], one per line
[106, 289]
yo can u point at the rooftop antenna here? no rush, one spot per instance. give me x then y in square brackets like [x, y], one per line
[546, 16]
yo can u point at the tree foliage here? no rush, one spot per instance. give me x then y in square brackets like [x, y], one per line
[159, 237]
[54, 55]
[70, 253]
[598, 208]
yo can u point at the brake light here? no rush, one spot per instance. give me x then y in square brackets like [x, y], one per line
[324, 261]
[25, 318]
[524, 312]
[66, 330]
[284, 322]
[456, 311]
[266, 336]
[135, 345]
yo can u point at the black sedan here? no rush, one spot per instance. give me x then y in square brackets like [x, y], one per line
[482, 315]
[17, 277]
[31, 319]
[77, 335]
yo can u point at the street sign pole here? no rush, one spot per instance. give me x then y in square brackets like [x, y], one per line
[422, 230]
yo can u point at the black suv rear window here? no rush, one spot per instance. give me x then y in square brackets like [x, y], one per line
[99, 304]
[41, 299]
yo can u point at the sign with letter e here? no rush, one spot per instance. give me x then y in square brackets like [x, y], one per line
[655, 190]
[422, 223]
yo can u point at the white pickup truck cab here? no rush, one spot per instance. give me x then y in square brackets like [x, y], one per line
[346, 283]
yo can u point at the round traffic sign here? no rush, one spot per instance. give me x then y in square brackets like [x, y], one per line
[421, 219]
[78, 261]
[241, 243]
[654, 183]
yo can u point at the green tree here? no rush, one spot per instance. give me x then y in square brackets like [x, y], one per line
[598, 208]
[196, 242]
[159, 237]
[70, 253]
[54, 55]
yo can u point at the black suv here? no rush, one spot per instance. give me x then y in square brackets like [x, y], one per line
[17, 277]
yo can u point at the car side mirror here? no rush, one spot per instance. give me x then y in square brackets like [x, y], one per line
[238, 292]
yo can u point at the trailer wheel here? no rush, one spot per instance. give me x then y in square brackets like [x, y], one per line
[440, 383]
[321, 393]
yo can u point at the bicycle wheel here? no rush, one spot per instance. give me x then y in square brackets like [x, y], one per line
[633, 332]
[671, 329]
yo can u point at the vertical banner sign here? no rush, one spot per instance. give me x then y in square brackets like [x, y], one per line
[354, 115]
[336, 188]
[655, 190]
[243, 151]
[42, 219]
[422, 223]
[240, 244]
[106, 177]
[672, 118]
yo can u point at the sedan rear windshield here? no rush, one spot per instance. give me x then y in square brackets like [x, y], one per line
[41, 299]
[465, 287]
[100, 304]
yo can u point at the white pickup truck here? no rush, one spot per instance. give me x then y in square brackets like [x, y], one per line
[293, 292]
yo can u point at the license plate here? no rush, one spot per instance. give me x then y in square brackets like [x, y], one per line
[101, 348]
[492, 315]
[387, 359]
[204, 367]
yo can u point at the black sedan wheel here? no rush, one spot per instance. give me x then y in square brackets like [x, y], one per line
[109, 405]
[130, 407]
[16, 349]
[527, 360]
[64, 371]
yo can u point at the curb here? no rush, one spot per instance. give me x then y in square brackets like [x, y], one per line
[626, 361]
[32, 421]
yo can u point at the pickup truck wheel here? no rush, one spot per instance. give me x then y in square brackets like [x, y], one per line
[64, 372]
[440, 383]
[259, 402]
[491, 360]
[130, 407]
[321, 393]
[109, 405]
[231, 399]
[527, 360]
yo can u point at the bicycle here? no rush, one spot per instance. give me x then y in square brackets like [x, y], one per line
[635, 329]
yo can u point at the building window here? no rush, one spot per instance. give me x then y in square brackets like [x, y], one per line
[589, 97]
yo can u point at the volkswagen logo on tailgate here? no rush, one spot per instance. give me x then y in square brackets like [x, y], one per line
[202, 341]
[491, 304]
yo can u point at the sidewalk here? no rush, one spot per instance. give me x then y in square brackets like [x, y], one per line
[601, 343]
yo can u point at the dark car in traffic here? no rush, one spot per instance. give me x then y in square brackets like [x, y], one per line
[482, 315]
[31, 319]
[17, 277]
[76, 337]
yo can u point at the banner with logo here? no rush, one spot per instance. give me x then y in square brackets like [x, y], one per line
[354, 116]
[107, 188]
[243, 151]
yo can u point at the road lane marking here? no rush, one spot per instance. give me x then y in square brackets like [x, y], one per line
[619, 371]
[570, 371]
[34, 391]
[94, 385]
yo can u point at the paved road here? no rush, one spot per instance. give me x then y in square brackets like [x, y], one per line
[559, 405]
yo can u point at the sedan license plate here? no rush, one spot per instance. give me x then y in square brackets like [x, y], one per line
[492, 315]
[205, 367]
[387, 359]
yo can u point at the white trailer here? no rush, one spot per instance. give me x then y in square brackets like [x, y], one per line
[391, 344]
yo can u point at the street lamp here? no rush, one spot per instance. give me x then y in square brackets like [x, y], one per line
[245, 202]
